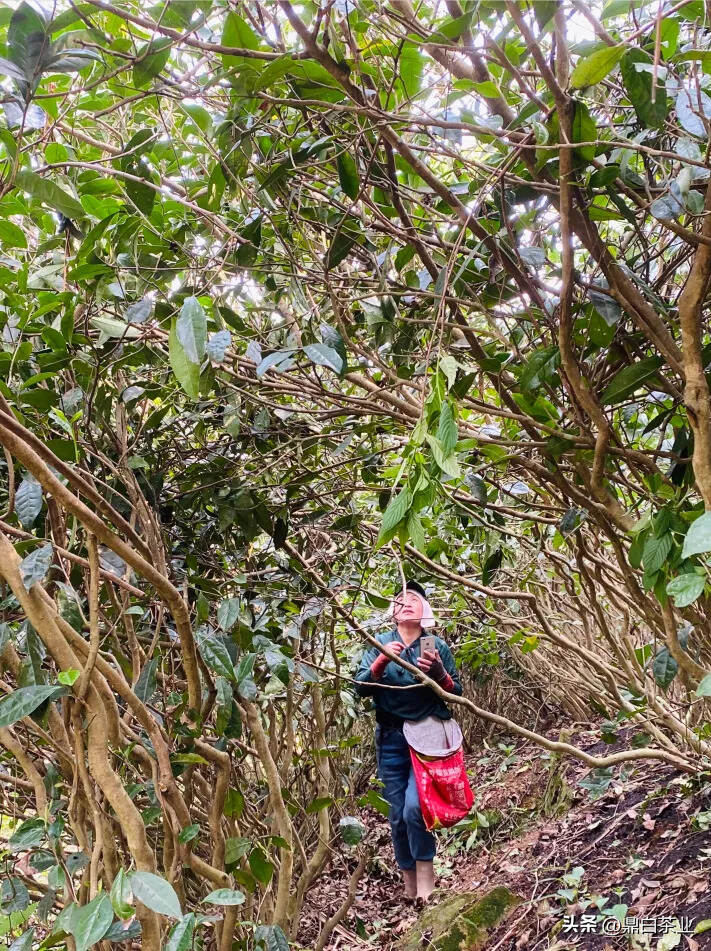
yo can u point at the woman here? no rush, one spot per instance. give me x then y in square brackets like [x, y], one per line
[413, 845]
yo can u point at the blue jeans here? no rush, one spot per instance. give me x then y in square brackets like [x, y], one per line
[411, 840]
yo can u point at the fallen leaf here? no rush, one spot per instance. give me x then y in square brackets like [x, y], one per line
[646, 901]
[648, 822]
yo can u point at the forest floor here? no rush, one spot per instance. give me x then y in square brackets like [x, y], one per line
[594, 856]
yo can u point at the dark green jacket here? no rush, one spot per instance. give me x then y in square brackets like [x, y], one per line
[413, 704]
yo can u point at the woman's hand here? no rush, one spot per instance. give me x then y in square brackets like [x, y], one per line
[394, 648]
[431, 663]
[388, 652]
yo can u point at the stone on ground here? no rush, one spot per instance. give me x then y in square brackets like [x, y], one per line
[462, 922]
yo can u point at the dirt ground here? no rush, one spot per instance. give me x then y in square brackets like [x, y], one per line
[632, 854]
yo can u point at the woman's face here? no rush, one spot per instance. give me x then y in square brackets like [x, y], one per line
[408, 607]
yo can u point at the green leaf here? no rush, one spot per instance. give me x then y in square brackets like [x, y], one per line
[698, 538]
[252, 233]
[181, 934]
[28, 42]
[540, 368]
[187, 373]
[92, 921]
[487, 89]
[571, 520]
[477, 487]
[299, 155]
[664, 668]
[28, 501]
[348, 174]
[606, 306]
[192, 831]
[224, 704]
[415, 531]
[64, 60]
[597, 782]
[321, 802]
[452, 28]
[260, 866]
[595, 67]
[238, 33]
[123, 931]
[47, 192]
[668, 206]
[214, 653]
[14, 896]
[655, 552]
[324, 356]
[225, 896]
[543, 11]
[373, 799]
[352, 830]
[8, 68]
[492, 563]
[191, 328]
[584, 130]
[235, 848]
[340, 247]
[139, 312]
[111, 327]
[638, 86]
[15, 919]
[396, 511]
[686, 588]
[412, 64]
[65, 918]
[280, 360]
[24, 942]
[244, 672]
[146, 683]
[447, 433]
[441, 283]
[28, 834]
[704, 688]
[228, 613]
[150, 60]
[11, 235]
[448, 365]
[187, 759]
[35, 566]
[629, 379]
[199, 115]
[155, 893]
[121, 896]
[448, 464]
[68, 677]
[270, 938]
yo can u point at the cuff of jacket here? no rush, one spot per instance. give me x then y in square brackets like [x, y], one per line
[446, 683]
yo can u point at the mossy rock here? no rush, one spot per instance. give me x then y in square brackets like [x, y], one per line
[460, 923]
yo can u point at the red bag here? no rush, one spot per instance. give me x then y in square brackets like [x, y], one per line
[443, 787]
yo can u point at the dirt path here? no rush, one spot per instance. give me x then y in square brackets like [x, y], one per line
[593, 863]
